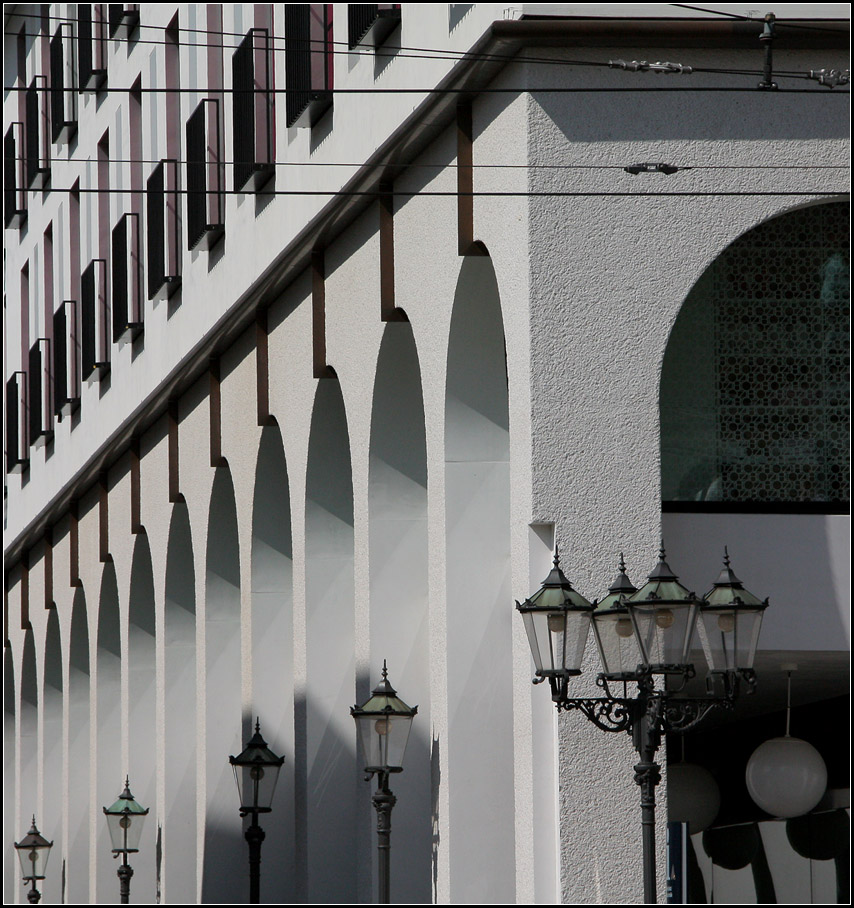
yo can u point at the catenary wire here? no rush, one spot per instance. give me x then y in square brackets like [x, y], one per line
[395, 51]
[760, 21]
[451, 166]
[439, 91]
[454, 193]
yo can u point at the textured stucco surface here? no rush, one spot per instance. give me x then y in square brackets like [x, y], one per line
[607, 279]
[589, 288]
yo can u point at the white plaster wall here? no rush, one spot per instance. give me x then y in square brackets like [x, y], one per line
[606, 286]
[576, 295]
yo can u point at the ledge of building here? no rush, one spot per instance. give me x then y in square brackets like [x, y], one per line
[491, 53]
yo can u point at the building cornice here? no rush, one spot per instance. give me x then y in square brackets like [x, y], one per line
[490, 54]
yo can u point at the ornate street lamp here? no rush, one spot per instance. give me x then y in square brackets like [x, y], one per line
[256, 772]
[124, 822]
[33, 852]
[383, 725]
[644, 637]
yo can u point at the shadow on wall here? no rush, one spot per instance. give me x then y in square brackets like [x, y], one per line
[637, 116]
[226, 863]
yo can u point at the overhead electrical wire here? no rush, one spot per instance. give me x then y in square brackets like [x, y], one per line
[777, 22]
[454, 193]
[395, 51]
[452, 166]
[438, 91]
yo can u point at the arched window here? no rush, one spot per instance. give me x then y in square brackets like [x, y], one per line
[754, 389]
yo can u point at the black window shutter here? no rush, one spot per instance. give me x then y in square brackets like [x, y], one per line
[87, 312]
[84, 44]
[60, 361]
[120, 279]
[10, 174]
[34, 379]
[32, 133]
[57, 87]
[297, 60]
[360, 17]
[196, 177]
[244, 111]
[156, 240]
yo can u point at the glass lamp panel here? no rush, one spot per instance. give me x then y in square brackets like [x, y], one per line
[557, 638]
[125, 823]
[616, 640]
[531, 629]
[33, 862]
[664, 629]
[398, 737]
[256, 784]
[383, 739]
[730, 637]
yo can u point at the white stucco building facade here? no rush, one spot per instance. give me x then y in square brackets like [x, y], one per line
[342, 411]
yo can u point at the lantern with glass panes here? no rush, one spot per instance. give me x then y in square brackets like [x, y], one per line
[383, 724]
[644, 637]
[256, 771]
[125, 818]
[33, 852]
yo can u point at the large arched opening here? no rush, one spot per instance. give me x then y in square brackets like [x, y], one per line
[9, 752]
[142, 727]
[331, 773]
[81, 805]
[181, 786]
[399, 630]
[110, 773]
[479, 633]
[222, 876]
[273, 648]
[755, 456]
[52, 706]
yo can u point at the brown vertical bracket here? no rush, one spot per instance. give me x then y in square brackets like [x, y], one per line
[215, 400]
[318, 315]
[135, 501]
[465, 179]
[262, 367]
[104, 515]
[48, 568]
[25, 591]
[74, 544]
[174, 479]
[465, 183]
[388, 311]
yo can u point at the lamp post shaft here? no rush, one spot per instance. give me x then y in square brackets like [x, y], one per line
[125, 872]
[646, 734]
[34, 896]
[254, 836]
[384, 801]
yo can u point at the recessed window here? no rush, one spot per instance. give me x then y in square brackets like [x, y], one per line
[755, 393]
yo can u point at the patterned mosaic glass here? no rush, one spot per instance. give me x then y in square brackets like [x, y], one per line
[757, 377]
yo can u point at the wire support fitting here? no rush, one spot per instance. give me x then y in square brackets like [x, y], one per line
[653, 168]
[830, 77]
[642, 66]
[766, 39]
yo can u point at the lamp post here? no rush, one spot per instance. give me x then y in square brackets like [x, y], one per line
[124, 822]
[256, 772]
[383, 724]
[33, 852]
[644, 635]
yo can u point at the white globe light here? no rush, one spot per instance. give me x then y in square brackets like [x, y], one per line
[693, 796]
[786, 777]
